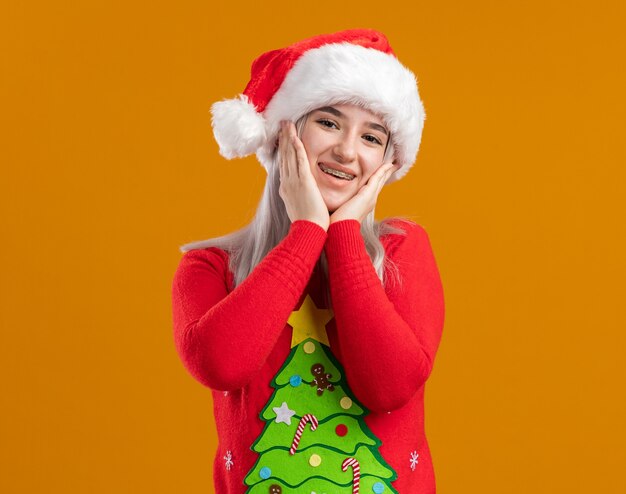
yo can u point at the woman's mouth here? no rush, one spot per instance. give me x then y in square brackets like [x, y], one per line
[336, 173]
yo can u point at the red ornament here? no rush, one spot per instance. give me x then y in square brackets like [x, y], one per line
[341, 430]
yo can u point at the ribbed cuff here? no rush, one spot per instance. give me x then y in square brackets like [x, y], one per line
[344, 239]
[350, 267]
[292, 262]
[306, 234]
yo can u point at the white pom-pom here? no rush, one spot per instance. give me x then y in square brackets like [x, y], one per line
[238, 129]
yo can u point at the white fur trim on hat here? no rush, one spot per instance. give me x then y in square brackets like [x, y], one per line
[239, 130]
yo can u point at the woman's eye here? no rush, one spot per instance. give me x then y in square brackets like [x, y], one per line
[326, 123]
[373, 139]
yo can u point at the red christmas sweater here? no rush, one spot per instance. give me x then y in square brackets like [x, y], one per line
[235, 341]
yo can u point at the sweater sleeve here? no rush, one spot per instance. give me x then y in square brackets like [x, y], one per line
[223, 339]
[388, 336]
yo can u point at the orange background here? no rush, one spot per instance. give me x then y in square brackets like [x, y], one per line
[109, 165]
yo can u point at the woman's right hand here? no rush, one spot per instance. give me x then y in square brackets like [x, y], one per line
[298, 189]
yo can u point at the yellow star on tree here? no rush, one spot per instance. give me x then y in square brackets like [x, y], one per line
[309, 322]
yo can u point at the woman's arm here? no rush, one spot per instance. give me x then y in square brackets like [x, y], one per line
[388, 338]
[224, 338]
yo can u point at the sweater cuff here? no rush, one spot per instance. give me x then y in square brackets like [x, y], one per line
[345, 239]
[293, 259]
[349, 264]
[305, 235]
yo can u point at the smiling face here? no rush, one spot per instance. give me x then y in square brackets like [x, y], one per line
[348, 141]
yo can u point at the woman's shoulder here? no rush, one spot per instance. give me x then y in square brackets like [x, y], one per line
[400, 233]
[400, 226]
[206, 263]
[206, 252]
[204, 258]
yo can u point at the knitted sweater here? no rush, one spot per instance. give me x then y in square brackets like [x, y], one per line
[235, 341]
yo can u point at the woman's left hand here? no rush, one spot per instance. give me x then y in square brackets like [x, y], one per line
[359, 206]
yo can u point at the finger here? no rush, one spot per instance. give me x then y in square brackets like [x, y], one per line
[285, 144]
[392, 168]
[378, 174]
[384, 176]
[291, 150]
[387, 169]
[284, 168]
[301, 157]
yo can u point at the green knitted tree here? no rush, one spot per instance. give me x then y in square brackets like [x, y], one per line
[315, 439]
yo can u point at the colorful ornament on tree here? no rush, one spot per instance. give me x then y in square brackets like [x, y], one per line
[341, 430]
[303, 462]
[378, 488]
[315, 460]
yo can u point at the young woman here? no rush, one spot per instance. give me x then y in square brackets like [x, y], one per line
[315, 326]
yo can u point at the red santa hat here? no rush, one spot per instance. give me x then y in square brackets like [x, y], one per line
[355, 66]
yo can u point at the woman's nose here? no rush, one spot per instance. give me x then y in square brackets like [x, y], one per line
[345, 149]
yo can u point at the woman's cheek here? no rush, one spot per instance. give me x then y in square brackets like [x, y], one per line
[369, 174]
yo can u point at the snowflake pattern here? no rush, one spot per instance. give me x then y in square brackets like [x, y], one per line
[229, 460]
[413, 460]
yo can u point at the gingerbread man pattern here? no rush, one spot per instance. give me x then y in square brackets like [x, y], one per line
[321, 379]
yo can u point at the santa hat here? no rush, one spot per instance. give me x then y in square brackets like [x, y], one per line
[355, 66]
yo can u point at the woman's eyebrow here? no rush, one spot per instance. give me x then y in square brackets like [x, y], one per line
[331, 110]
[375, 126]
[337, 113]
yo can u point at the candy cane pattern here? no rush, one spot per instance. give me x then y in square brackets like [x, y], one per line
[356, 473]
[303, 421]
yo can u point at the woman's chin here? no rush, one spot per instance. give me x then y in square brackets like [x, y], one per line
[335, 204]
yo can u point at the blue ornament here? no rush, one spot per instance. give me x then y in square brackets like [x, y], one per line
[266, 473]
[295, 381]
[378, 487]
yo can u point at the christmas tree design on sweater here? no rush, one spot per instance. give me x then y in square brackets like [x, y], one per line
[315, 440]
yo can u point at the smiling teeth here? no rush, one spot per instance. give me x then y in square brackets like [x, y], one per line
[336, 173]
